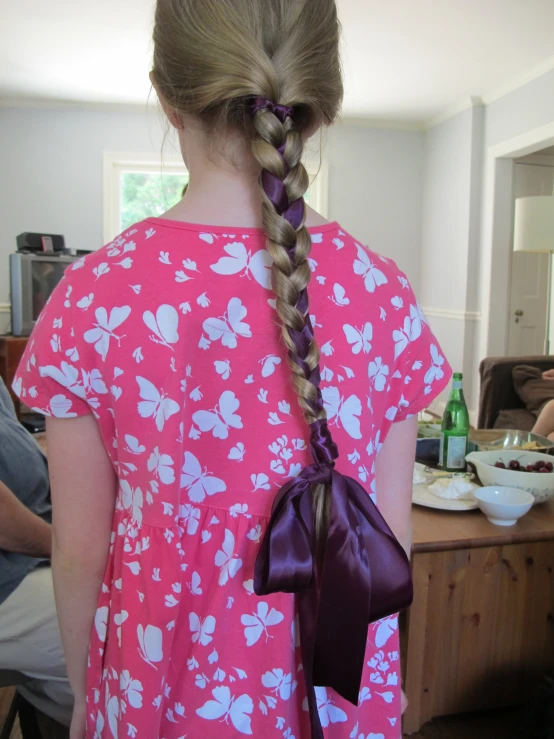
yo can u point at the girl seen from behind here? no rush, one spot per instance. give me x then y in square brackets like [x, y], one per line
[220, 570]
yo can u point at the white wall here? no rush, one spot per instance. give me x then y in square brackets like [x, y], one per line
[51, 179]
[375, 190]
[522, 110]
[450, 237]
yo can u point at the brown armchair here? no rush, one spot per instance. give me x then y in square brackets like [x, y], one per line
[499, 404]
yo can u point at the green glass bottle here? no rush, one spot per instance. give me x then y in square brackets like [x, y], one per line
[454, 429]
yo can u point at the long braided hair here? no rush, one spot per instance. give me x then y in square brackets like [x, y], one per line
[269, 70]
[214, 59]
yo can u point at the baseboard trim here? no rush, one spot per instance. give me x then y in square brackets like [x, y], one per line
[453, 315]
[4, 307]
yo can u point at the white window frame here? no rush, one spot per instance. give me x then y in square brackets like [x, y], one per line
[117, 162]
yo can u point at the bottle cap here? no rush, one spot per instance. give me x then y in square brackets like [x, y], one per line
[457, 376]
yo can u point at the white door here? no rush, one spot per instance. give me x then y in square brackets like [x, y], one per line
[530, 274]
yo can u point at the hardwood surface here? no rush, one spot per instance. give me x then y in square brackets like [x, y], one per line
[439, 531]
[480, 632]
[490, 725]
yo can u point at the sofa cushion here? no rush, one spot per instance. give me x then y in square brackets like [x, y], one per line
[518, 418]
[531, 388]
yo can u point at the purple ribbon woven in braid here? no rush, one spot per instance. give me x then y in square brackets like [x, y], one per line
[365, 574]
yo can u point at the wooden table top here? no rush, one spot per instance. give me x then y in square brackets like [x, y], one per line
[436, 531]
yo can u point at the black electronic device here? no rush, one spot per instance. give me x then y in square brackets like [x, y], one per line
[39, 243]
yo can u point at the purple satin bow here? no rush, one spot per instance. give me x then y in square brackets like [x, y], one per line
[365, 573]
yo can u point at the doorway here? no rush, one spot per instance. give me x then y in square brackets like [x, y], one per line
[530, 273]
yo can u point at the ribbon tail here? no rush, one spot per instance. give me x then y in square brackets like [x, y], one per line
[307, 608]
[344, 603]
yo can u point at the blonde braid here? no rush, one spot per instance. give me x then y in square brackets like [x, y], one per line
[289, 248]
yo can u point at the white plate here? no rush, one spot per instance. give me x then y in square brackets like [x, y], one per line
[422, 496]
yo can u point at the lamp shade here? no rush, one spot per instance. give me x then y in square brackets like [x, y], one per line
[534, 224]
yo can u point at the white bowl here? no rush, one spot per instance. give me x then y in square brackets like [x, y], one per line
[503, 506]
[539, 484]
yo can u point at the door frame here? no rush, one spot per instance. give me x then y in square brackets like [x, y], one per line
[497, 234]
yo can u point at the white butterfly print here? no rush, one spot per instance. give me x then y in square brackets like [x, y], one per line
[131, 689]
[384, 629]
[85, 302]
[280, 683]
[162, 467]
[194, 585]
[226, 559]
[155, 403]
[228, 708]
[397, 302]
[93, 382]
[190, 517]
[203, 300]
[221, 418]
[237, 452]
[102, 269]
[269, 363]
[150, 644]
[241, 260]
[67, 376]
[104, 328]
[327, 349]
[373, 277]
[255, 534]
[411, 331]
[329, 713]
[230, 326]
[359, 338]
[435, 371]
[378, 372]
[202, 631]
[345, 411]
[258, 623]
[260, 482]
[131, 500]
[199, 482]
[223, 368]
[60, 407]
[164, 325]
[339, 296]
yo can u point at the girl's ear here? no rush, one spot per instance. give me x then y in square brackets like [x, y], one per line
[173, 117]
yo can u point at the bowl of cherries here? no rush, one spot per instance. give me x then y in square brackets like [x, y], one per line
[529, 471]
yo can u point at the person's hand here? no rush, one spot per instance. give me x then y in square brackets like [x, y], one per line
[78, 721]
[548, 375]
[403, 702]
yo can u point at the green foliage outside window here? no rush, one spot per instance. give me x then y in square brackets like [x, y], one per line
[146, 194]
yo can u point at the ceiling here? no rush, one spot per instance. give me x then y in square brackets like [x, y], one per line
[406, 61]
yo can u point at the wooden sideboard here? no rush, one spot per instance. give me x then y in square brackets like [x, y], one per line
[480, 632]
[11, 351]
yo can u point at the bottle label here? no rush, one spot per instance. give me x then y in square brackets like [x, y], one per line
[456, 455]
[457, 385]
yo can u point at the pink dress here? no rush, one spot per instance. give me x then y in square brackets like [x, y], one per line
[168, 336]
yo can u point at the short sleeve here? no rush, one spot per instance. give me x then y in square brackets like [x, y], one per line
[49, 378]
[421, 370]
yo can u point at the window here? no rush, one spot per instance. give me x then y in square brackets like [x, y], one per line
[137, 186]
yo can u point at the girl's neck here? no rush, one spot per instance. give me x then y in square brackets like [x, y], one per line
[225, 197]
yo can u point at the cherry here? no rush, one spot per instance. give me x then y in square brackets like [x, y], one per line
[543, 469]
[500, 465]
[540, 464]
[530, 468]
[514, 465]
[549, 466]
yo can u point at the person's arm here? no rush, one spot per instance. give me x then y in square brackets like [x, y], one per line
[394, 471]
[83, 496]
[21, 530]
